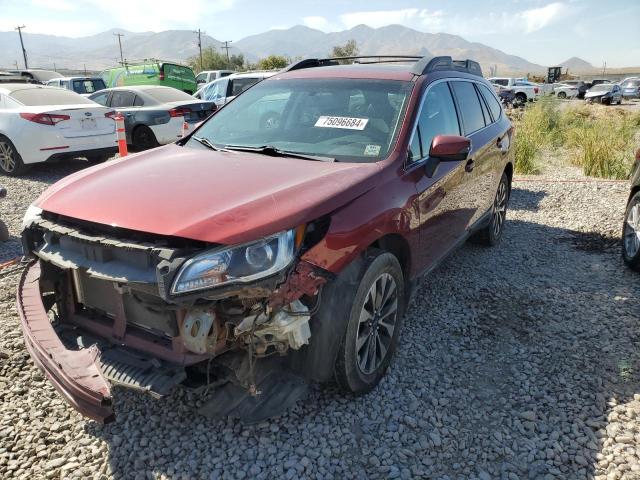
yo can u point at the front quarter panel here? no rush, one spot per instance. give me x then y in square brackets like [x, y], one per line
[386, 209]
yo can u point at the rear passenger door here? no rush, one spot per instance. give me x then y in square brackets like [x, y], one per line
[478, 125]
[123, 101]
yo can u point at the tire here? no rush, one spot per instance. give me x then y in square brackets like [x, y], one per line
[631, 233]
[521, 98]
[96, 159]
[492, 233]
[143, 138]
[10, 160]
[562, 95]
[358, 370]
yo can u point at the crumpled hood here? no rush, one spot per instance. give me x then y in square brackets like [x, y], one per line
[216, 197]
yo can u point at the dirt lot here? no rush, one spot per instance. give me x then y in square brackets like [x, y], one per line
[515, 362]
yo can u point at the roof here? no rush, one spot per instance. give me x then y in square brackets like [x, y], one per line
[391, 67]
[79, 77]
[357, 70]
[136, 88]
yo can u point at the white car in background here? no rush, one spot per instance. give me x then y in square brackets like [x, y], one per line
[39, 124]
[564, 91]
[226, 89]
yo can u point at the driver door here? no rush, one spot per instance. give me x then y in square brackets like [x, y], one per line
[442, 202]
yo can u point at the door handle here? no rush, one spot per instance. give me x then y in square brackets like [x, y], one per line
[469, 166]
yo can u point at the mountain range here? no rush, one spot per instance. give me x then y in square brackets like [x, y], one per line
[99, 51]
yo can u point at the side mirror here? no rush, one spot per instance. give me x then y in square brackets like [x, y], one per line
[450, 148]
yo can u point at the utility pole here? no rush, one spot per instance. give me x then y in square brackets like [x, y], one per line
[120, 35]
[226, 47]
[200, 46]
[24, 52]
[604, 67]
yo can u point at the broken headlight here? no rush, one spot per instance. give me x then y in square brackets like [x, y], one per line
[240, 264]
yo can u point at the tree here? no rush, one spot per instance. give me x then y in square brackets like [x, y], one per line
[214, 60]
[349, 49]
[273, 62]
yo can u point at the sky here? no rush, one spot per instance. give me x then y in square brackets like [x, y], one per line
[543, 32]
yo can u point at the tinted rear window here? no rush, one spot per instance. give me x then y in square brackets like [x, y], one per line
[469, 104]
[490, 98]
[48, 96]
[88, 86]
[167, 94]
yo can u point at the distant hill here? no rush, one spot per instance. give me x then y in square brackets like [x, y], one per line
[300, 41]
[577, 65]
[101, 50]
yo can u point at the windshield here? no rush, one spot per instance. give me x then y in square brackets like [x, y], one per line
[631, 83]
[603, 87]
[346, 119]
[48, 96]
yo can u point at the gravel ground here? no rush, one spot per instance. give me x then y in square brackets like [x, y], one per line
[518, 362]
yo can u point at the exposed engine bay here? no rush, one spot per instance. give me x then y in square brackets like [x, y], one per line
[115, 294]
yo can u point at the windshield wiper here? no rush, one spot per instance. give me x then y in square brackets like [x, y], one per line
[208, 144]
[276, 152]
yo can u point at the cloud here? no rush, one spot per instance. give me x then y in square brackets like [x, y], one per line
[380, 18]
[160, 14]
[538, 18]
[523, 21]
[319, 23]
[58, 5]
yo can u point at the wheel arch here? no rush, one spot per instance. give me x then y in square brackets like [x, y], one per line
[398, 246]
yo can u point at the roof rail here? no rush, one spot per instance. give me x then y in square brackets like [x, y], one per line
[422, 65]
[324, 62]
[427, 65]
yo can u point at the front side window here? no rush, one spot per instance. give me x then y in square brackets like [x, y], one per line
[201, 77]
[347, 119]
[215, 90]
[500, 81]
[469, 104]
[438, 116]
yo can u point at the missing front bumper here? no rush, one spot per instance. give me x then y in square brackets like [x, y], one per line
[82, 367]
[75, 374]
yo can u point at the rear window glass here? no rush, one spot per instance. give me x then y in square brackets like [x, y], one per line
[490, 98]
[470, 108]
[167, 94]
[177, 72]
[239, 85]
[88, 86]
[48, 96]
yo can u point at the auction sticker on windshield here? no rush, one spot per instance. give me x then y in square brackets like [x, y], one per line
[342, 122]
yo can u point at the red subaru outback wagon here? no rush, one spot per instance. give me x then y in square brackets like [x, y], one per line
[275, 246]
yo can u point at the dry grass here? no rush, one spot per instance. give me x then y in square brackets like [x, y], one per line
[599, 139]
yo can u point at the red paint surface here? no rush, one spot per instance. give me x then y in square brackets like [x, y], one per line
[211, 196]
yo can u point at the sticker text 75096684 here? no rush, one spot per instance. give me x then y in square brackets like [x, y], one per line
[342, 122]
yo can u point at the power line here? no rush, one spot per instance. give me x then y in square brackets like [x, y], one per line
[226, 47]
[24, 52]
[120, 35]
[200, 45]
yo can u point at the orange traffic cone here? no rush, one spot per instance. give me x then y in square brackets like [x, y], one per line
[121, 134]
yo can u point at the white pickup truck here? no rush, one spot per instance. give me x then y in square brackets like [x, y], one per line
[524, 91]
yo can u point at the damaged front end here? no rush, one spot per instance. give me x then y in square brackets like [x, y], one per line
[103, 306]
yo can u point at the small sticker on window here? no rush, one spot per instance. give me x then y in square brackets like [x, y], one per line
[372, 150]
[342, 122]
